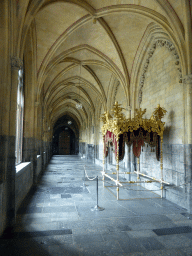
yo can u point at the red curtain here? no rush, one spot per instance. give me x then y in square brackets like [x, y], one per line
[137, 147]
[110, 137]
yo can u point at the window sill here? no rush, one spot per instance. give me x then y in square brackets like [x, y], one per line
[21, 166]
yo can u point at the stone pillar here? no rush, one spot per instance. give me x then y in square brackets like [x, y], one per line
[129, 112]
[35, 151]
[187, 81]
[34, 161]
[16, 64]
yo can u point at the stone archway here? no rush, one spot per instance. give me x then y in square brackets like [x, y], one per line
[64, 142]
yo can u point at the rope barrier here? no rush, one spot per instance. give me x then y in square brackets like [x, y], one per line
[97, 207]
[88, 176]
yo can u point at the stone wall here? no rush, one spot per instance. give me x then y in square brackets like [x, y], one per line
[3, 206]
[39, 165]
[82, 148]
[161, 86]
[128, 164]
[15, 186]
[90, 152]
[23, 183]
[87, 151]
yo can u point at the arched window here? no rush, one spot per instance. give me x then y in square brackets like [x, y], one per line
[19, 118]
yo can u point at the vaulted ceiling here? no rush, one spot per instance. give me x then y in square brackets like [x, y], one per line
[83, 46]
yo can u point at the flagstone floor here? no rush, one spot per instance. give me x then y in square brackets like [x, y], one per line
[58, 218]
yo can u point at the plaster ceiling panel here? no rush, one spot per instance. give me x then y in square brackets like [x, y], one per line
[151, 4]
[104, 76]
[64, 96]
[121, 99]
[55, 71]
[95, 36]
[75, 71]
[51, 22]
[75, 93]
[177, 5]
[128, 29]
[85, 54]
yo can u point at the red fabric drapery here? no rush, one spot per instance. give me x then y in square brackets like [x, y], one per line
[137, 147]
[109, 137]
[137, 138]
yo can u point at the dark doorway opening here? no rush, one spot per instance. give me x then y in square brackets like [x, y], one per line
[64, 142]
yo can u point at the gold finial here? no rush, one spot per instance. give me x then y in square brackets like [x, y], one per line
[159, 112]
[105, 117]
[140, 113]
[117, 110]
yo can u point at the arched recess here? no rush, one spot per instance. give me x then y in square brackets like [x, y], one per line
[154, 35]
[65, 136]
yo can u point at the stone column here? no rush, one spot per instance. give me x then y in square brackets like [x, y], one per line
[35, 149]
[129, 111]
[16, 64]
[187, 81]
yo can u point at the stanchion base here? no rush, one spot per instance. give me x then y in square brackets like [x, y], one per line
[85, 185]
[97, 208]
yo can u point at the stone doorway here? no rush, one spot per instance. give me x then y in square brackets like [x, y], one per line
[64, 143]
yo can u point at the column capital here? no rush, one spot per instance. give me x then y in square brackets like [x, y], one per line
[16, 62]
[187, 79]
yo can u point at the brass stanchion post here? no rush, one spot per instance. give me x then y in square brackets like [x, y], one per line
[138, 168]
[97, 207]
[161, 166]
[103, 160]
[117, 167]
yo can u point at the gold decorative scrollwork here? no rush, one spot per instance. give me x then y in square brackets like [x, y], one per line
[138, 130]
[118, 124]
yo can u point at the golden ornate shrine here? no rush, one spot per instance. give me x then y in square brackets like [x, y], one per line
[117, 129]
